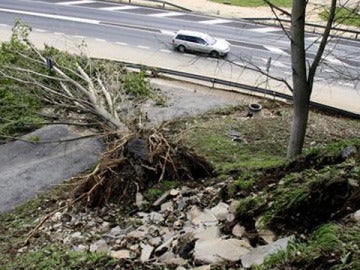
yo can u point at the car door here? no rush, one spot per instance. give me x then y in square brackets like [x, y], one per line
[202, 46]
[194, 44]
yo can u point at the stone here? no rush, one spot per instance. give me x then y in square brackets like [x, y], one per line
[168, 206]
[216, 250]
[116, 231]
[121, 254]
[137, 234]
[233, 206]
[164, 246]
[233, 133]
[56, 217]
[156, 217]
[203, 267]
[178, 224]
[139, 199]
[349, 151]
[146, 251]
[230, 217]
[76, 235]
[357, 215]
[166, 256]
[257, 255]
[175, 261]
[220, 211]
[174, 192]
[205, 217]
[155, 241]
[135, 248]
[267, 235]
[180, 268]
[105, 225]
[81, 248]
[99, 246]
[207, 233]
[238, 231]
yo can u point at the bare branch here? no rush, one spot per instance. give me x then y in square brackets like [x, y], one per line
[323, 42]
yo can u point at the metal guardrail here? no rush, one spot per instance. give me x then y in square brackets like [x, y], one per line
[271, 93]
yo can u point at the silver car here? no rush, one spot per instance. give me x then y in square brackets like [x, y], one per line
[185, 40]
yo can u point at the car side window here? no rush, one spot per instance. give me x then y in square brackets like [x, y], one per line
[200, 41]
[181, 37]
[191, 39]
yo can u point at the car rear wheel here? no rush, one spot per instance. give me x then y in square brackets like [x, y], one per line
[181, 48]
[214, 54]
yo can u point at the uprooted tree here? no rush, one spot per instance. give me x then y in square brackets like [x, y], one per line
[84, 91]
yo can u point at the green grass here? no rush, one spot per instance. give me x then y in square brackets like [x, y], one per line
[335, 245]
[255, 3]
[54, 258]
[343, 16]
[259, 145]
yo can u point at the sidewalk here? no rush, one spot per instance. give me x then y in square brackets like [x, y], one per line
[235, 12]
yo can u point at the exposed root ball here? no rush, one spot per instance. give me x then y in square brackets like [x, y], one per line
[135, 164]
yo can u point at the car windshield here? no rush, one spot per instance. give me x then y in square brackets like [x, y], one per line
[210, 40]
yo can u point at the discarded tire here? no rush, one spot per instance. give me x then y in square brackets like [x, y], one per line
[254, 107]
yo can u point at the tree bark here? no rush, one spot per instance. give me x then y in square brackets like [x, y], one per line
[301, 89]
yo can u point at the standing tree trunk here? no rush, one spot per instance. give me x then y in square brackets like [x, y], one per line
[301, 89]
[303, 79]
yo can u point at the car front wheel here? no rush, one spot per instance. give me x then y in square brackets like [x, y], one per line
[181, 48]
[214, 54]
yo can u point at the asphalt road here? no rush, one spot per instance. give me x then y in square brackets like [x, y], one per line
[148, 28]
[27, 168]
[141, 35]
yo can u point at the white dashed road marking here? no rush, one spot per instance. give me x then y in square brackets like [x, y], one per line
[168, 14]
[275, 50]
[114, 8]
[265, 29]
[121, 43]
[335, 61]
[143, 47]
[215, 21]
[166, 51]
[100, 39]
[52, 16]
[40, 30]
[167, 33]
[76, 2]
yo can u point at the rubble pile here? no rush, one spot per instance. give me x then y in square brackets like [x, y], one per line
[182, 229]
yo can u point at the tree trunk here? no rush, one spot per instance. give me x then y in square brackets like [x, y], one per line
[301, 89]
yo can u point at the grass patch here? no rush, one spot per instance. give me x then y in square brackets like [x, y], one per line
[254, 3]
[257, 147]
[343, 15]
[334, 246]
[55, 258]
